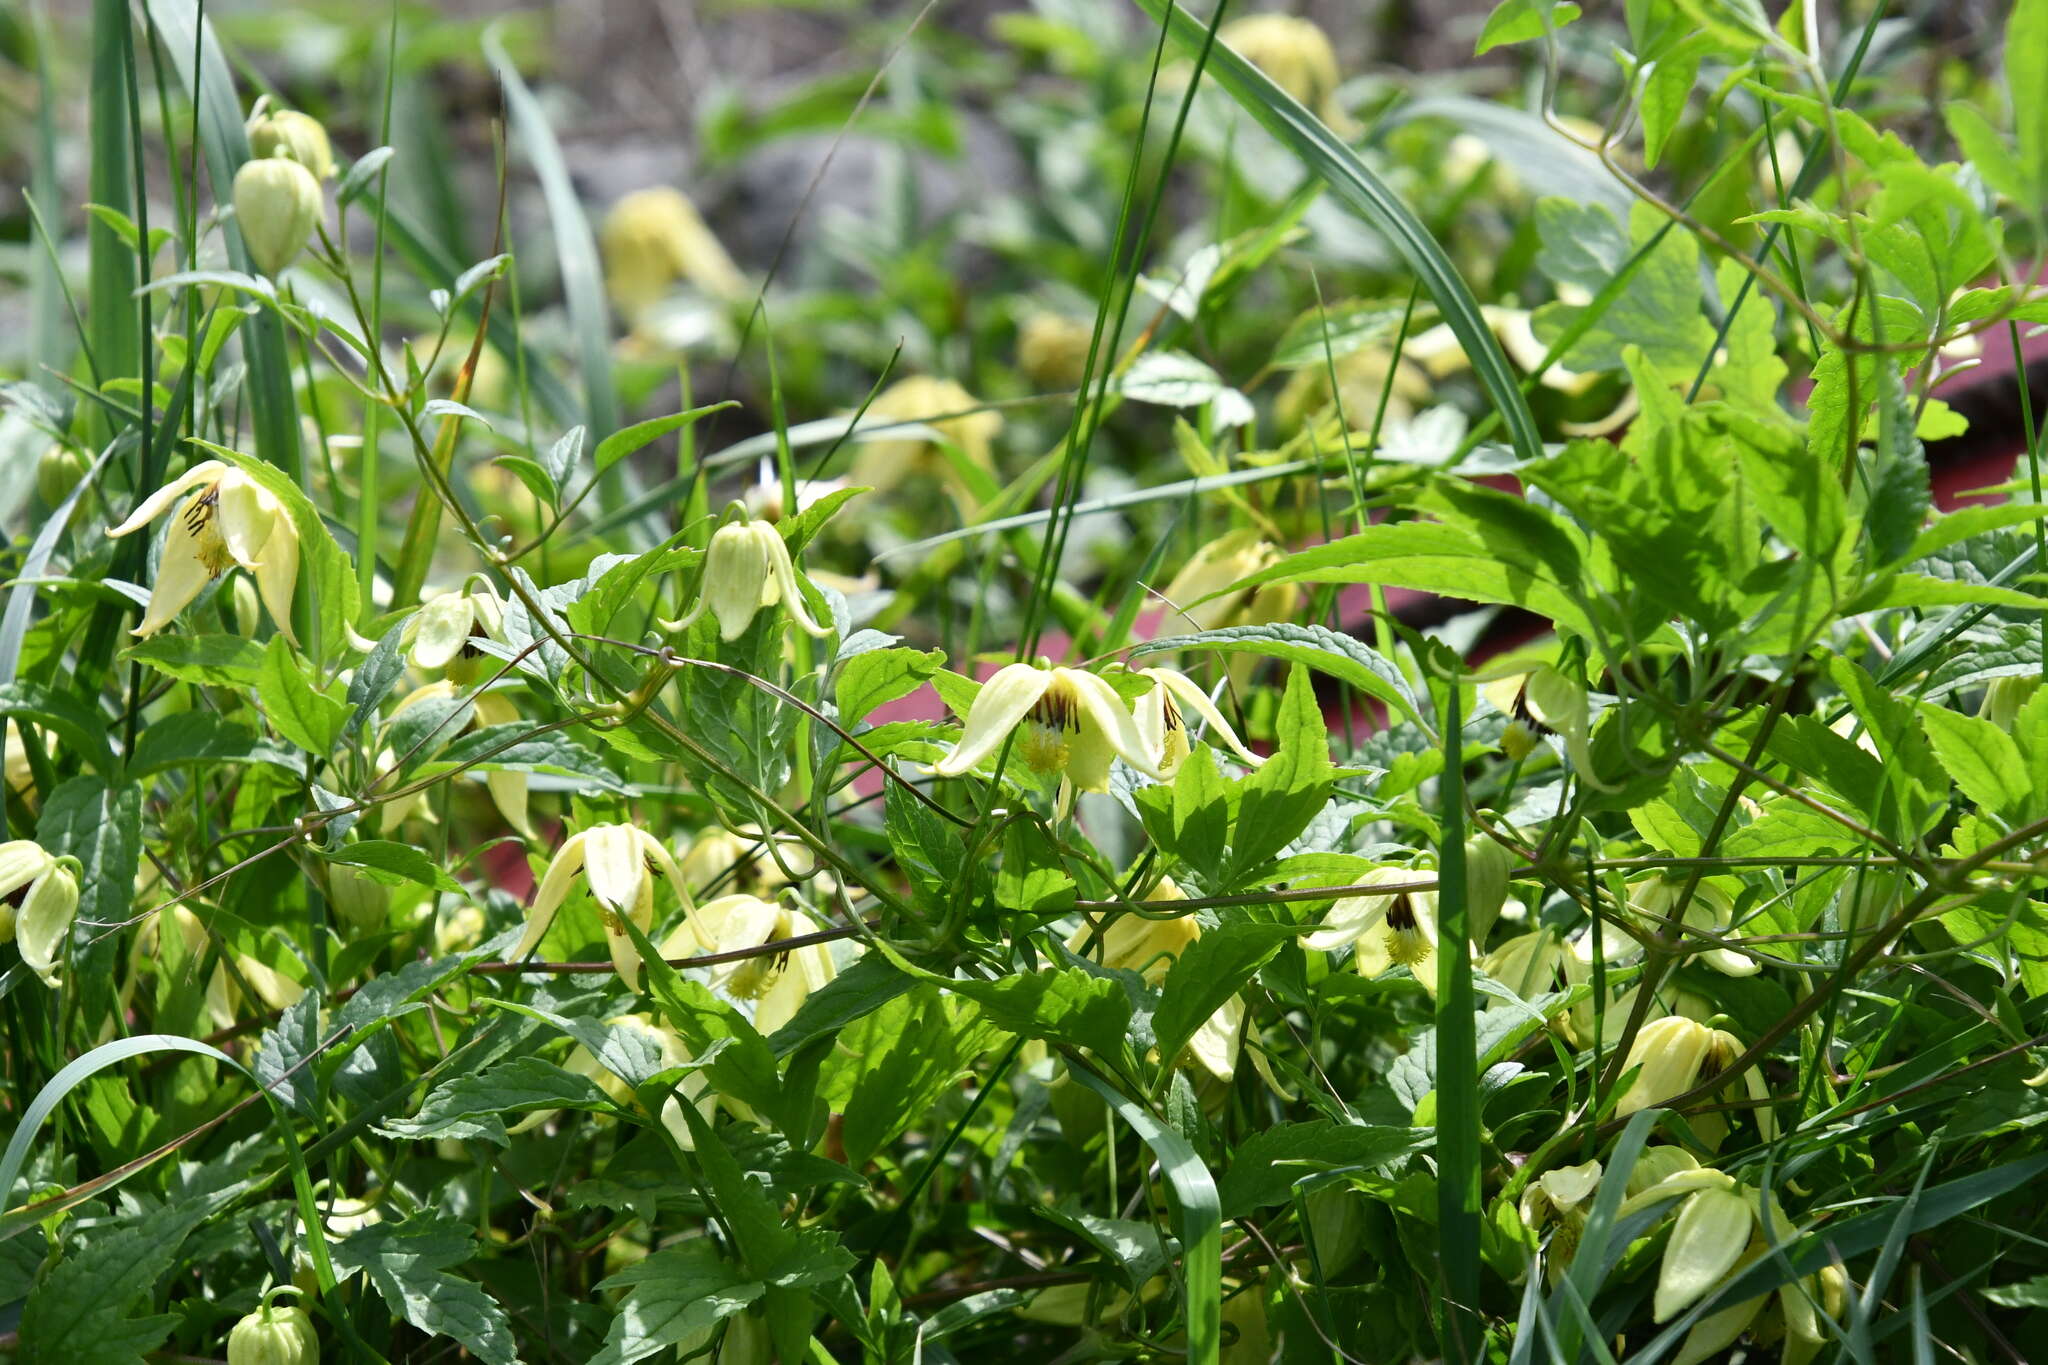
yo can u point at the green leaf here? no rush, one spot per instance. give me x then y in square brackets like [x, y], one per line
[1658, 311]
[1522, 21]
[1032, 878]
[1355, 185]
[1197, 1218]
[1207, 973]
[1289, 789]
[535, 478]
[1982, 759]
[1266, 1167]
[1429, 557]
[1343, 657]
[1665, 91]
[208, 660]
[861, 989]
[471, 1103]
[101, 826]
[311, 720]
[392, 863]
[677, 1292]
[894, 1065]
[2026, 78]
[57, 711]
[78, 1314]
[1059, 1005]
[622, 443]
[408, 1263]
[1324, 334]
[877, 677]
[204, 737]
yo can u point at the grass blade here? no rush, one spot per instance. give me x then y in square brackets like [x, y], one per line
[1326, 156]
[1197, 1217]
[112, 335]
[1457, 1063]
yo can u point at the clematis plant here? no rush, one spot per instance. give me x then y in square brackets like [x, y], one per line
[228, 520]
[1397, 930]
[615, 861]
[1163, 726]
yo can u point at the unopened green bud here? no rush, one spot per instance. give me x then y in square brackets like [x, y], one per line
[58, 472]
[290, 133]
[278, 203]
[361, 900]
[274, 1336]
[2004, 697]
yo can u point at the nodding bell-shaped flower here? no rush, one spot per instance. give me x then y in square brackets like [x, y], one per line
[1710, 911]
[1073, 724]
[942, 405]
[278, 205]
[780, 983]
[747, 568]
[1150, 947]
[1163, 728]
[287, 132]
[654, 238]
[440, 631]
[508, 789]
[1712, 1228]
[1549, 703]
[229, 520]
[42, 927]
[1215, 569]
[1673, 1052]
[1297, 56]
[1563, 1197]
[615, 860]
[1397, 930]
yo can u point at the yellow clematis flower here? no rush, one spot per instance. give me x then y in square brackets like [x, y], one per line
[1150, 947]
[230, 519]
[1298, 57]
[42, 927]
[1711, 910]
[440, 631]
[654, 238]
[1218, 567]
[747, 568]
[1384, 931]
[886, 461]
[1163, 728]
[1074, 725]
[615, 861]
[508, 789]
[694, 1087]
[777, 984]
[1562, 1197]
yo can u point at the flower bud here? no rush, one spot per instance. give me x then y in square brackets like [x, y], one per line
[58, 472]
[1487, 864]
[274, 1336]
[1670, 1052]
[459, 930]
[278, 203]
[747, 568]
[654, 238]
[289, 133]
[2002, 699]
[361, 900]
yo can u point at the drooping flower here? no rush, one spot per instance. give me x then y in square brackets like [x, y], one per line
[508, 788]
[1298, 57]
[1218, 567]
[653, 239]
[1073, 725]
[1163, 728]
[719, 859]
[42, 927]
[1710, 910]
[747, 568]
[942, 405]
[230, 519]
[289, 133]
[1712, 1228]
[1561, 1197]
[1052, 349]
[440, 631]
[1150, 947]
[278, 205]
[1395, 930]
[1546, 702]
[1670, 1052]
[778, 984]
[615, 860]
